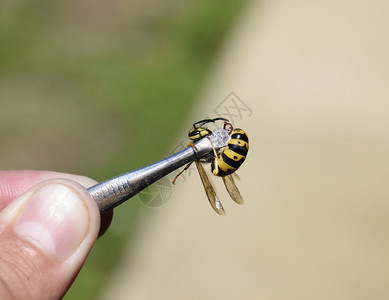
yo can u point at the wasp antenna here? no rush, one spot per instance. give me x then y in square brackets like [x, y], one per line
[205, 121]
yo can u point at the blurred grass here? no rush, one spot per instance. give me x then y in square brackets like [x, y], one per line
[109, 82]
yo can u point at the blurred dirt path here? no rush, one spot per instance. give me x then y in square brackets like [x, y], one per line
[315, 75]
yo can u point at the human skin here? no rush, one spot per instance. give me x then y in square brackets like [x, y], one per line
[48, 225]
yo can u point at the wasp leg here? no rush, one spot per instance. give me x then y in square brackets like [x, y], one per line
[193, 146]
[187, 166]
[228, 126]
[216, 158]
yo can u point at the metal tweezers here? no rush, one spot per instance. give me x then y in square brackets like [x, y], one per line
[114, 191]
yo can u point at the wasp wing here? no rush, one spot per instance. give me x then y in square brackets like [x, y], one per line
[235, 176]
[232, 189]
[210, 190]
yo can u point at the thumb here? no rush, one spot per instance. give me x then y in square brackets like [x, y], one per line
[45, 236]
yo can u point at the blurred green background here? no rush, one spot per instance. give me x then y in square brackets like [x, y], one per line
[98, 88]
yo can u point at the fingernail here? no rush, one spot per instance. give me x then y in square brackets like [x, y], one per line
[55, 218]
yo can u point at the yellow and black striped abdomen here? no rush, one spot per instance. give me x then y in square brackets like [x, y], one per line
[233, 155]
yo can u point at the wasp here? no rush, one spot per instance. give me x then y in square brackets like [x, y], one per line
[223, 164]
